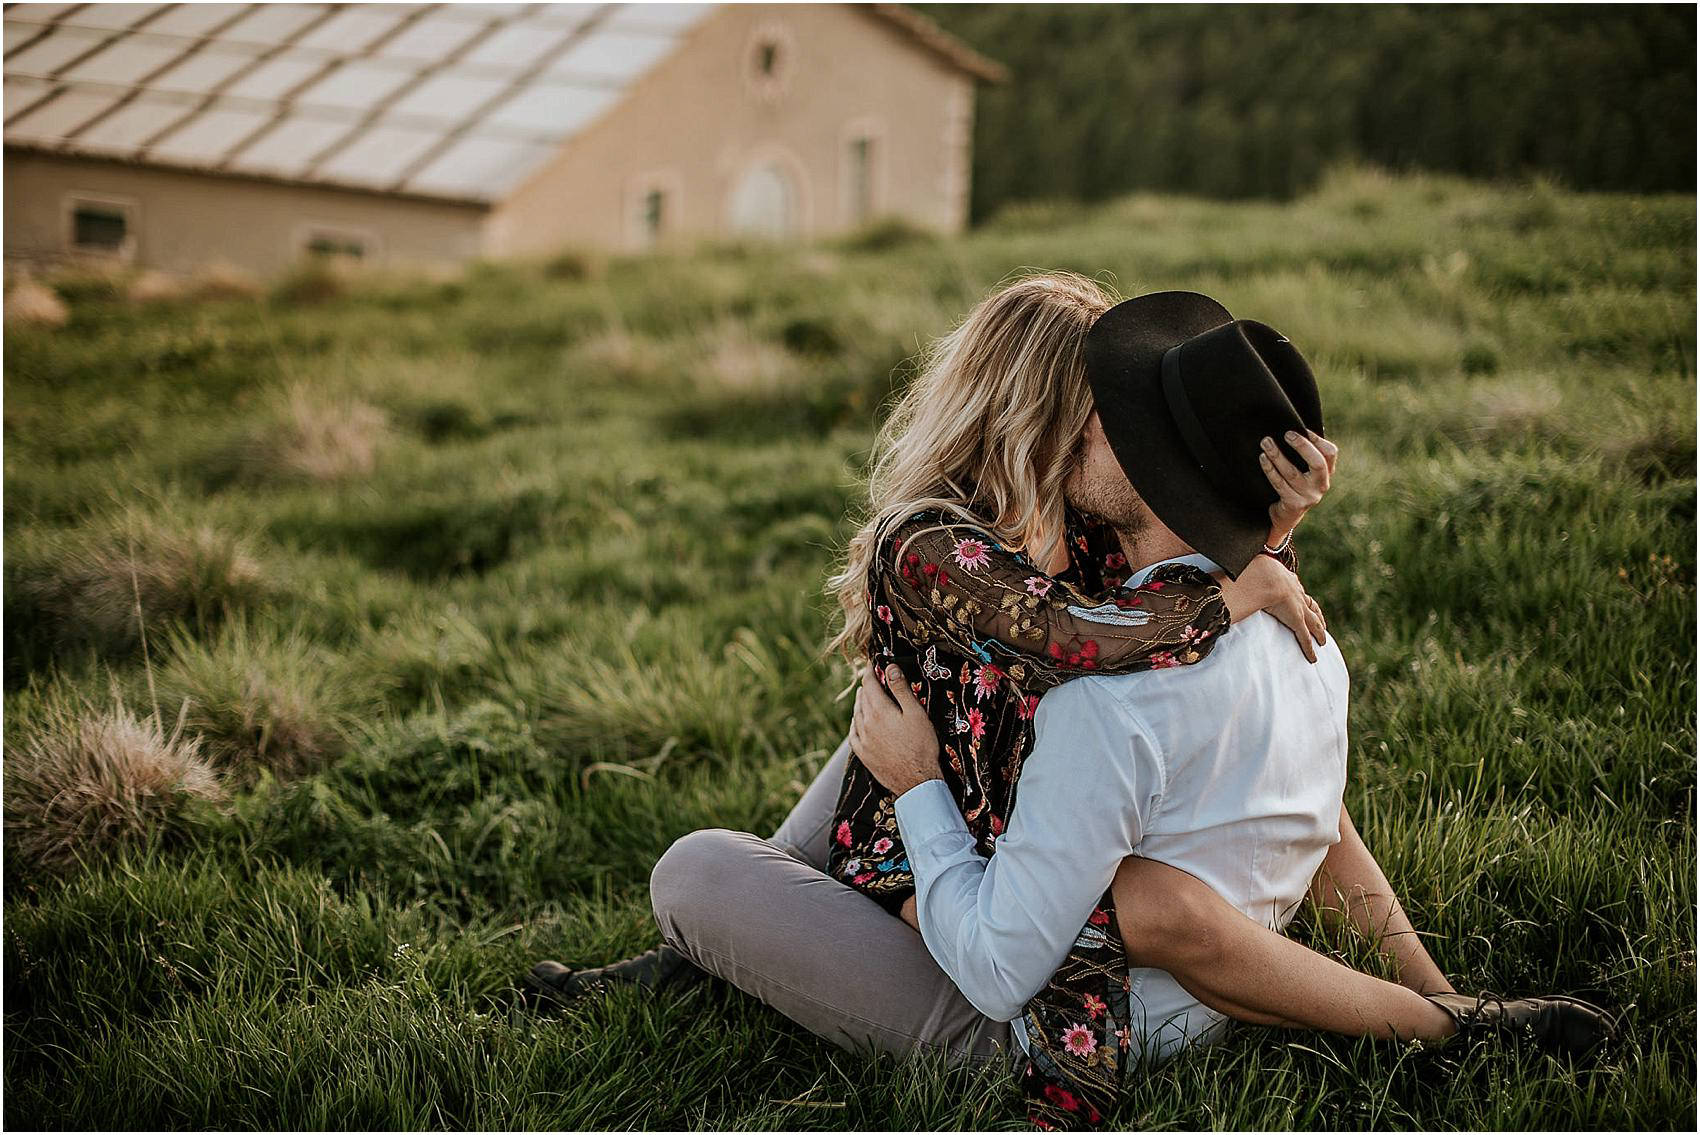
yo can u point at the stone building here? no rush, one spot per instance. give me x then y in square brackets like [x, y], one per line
[173, 135]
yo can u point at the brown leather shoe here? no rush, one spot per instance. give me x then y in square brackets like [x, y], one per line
[1557, 1024]
[660, 968]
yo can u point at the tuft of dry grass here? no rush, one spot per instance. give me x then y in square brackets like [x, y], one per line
[736, 361]
[617, 353]
[258, 698]
[88, 780]
[88, 583]
[311, 438]
[153, 286]
[221, 280]
[30, 303]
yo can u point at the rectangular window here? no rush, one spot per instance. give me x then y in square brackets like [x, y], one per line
[335, 244]
[100, 227]
[861, 180]
[318, 241]
[654, 215]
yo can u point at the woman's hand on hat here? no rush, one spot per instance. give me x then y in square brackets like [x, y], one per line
[1298, 492]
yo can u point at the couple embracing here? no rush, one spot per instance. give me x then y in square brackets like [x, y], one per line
[1089, 778]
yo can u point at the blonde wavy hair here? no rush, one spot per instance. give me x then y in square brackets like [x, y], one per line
[988, 431]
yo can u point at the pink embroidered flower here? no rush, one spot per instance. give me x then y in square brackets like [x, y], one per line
[1038, 585]
[1077, 1039]
[976, 723]
[1115, 560]
[882, 845]
[971, 554]
[883, 612]
[852, 867]
[862, 878]
[1154, 585]
[1099, 917]
[1094, 1005]
[997, 826]
[1027, 707]
[1122, 1037]
[1162, 660]
[986, 681]
[843, 833]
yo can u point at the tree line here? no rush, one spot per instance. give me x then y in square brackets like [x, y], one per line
[1242, 101]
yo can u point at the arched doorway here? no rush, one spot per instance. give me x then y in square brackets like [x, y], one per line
[764, 202]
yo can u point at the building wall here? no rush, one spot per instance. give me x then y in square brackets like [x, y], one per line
[182, 220]
[697, 124]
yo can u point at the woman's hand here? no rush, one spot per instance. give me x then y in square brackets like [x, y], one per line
[1267, 585]
[891, 735]
[1299, 492]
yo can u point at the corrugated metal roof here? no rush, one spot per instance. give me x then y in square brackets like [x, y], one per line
[462, 101]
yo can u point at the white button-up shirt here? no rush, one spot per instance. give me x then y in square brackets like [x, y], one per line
[1231, 769]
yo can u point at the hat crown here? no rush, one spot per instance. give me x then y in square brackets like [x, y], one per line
[1186, 394]
[1230, 387]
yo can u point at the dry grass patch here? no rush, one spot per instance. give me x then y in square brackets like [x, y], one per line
[309, 437]
[87, 585]
[221, 280]
[258, 698]
[90, 779]
[617, 353]
[30, 303]
[735, 361]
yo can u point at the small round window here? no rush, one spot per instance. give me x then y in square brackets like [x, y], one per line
[768, 61]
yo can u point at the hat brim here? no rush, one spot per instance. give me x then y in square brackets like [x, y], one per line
[1124, 364]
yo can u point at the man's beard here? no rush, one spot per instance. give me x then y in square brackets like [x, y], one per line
[1111, 500]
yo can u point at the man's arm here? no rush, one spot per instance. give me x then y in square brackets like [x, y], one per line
[1350, 885]
[1000, 927]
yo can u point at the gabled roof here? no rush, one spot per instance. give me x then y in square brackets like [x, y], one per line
[458, 101]
[449, 101]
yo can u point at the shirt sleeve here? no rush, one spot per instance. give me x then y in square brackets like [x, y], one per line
[1000, 927]
[949, 580]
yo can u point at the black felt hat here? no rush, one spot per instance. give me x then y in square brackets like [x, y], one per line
[1186, 394]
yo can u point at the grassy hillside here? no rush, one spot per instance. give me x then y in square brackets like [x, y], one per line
[464, 596]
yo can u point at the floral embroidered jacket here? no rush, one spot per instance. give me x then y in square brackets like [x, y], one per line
[981, 632]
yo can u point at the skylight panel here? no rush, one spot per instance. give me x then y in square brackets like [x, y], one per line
[290, 146]
[380, 155]
[449, 96]
[59, 47]
[194, 19]
[479, 167]
[206, 136]
[130, 125]
[52, 119]
[276, 76]
[551, 109]
[205, 69]
[432, 38]
[112, 16]
[518, 46]
[126, 61]
[356, 85]
[612, 56]
[21, 94]
[354, 29]
[274, 23]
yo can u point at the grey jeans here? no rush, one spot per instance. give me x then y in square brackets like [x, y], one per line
[763, 915]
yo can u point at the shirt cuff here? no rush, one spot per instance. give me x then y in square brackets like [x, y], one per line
[926, 812]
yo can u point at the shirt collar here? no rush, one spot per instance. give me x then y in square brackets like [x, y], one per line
[1194, 559]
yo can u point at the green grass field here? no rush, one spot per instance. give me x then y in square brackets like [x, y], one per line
[465, 595]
